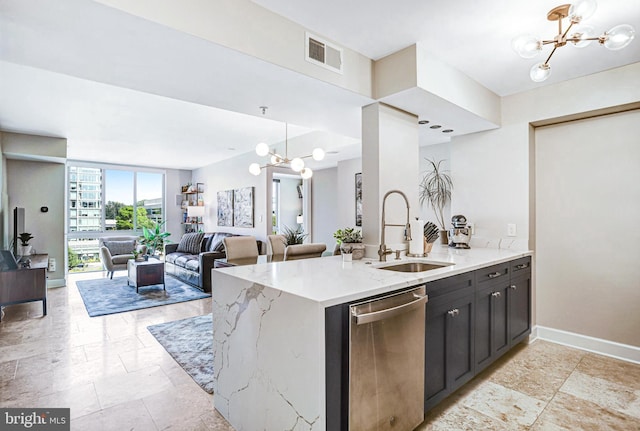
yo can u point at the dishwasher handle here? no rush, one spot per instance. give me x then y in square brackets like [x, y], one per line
[374, 316]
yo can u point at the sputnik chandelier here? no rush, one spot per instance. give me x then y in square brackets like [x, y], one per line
[296, 164]
[529, 46]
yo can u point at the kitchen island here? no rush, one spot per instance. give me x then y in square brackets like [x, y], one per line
[270, 331]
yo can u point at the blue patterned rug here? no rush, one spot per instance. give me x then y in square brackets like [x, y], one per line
[109, 296]
[190, 342]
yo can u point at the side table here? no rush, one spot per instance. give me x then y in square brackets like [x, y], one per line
[145, 273]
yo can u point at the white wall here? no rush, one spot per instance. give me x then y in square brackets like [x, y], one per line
[324, 203]
[32, 185]
[588, 205]
[232, 174]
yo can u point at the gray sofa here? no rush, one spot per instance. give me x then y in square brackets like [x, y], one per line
[192, 263]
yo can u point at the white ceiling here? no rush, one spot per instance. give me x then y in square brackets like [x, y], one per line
[125, 90]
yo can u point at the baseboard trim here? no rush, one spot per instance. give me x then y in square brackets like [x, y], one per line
[58, 282]
[612, 349]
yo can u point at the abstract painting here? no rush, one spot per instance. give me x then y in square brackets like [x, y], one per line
[243, 207]
[225, 208]
[359, 199]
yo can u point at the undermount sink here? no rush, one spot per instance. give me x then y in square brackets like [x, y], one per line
[414, 266]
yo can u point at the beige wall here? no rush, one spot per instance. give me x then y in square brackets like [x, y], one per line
[588, 207]
[32, 185]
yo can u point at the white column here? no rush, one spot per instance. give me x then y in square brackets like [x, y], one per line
[390, 161]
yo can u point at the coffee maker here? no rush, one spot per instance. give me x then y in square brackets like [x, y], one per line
[459, 234]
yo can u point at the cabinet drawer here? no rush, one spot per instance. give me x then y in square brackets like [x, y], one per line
[521, 266]
[495, 273]
[458, 284]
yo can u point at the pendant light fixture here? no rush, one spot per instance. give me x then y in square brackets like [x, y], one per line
[296, 164]
[580, 35]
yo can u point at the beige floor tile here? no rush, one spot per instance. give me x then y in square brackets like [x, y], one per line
[65, 377]
[131, 415]
[609, 395]
[26, 389]
[568, 413]
[81, 400]
[8, 370]
[459, 417]
[144, 357]
[95, 351]
[614, 370]
[131, 386]
[215, 422]
[49, 361]
[170, 409]
[504, 404]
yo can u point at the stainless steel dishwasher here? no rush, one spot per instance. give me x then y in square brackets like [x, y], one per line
[386, 362]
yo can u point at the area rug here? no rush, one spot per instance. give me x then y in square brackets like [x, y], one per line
[190, 342]
[108, 296]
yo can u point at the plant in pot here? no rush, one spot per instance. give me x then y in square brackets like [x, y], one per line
[293, 236]
[435, 189]
[350, 241]
[25, 248]
[154, 238]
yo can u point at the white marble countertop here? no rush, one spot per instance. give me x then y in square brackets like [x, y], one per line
[330, 281]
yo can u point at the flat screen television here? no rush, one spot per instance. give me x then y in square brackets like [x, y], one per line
[18, 227]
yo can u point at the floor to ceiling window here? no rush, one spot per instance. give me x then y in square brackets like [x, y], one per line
[109, 201]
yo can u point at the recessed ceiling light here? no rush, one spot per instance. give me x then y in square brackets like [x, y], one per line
[447, 131]
[333, 152]
[435, 126]
[231, 149]
[423, 122]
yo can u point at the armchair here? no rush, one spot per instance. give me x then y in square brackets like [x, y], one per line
[115, 251]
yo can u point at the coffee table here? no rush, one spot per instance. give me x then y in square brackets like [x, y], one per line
[145, 273]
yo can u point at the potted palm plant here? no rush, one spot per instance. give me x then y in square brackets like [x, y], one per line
[154, 238]
[350, 241]
[293, 236]
[435, 189]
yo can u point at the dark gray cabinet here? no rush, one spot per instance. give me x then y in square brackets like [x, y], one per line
[503, 309]
[448, 336]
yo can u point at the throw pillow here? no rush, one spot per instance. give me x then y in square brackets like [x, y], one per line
[190, 243]
[120, 247]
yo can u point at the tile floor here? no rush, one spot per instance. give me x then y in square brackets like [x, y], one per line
[113, 375]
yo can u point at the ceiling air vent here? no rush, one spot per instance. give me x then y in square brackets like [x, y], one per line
[323, 53]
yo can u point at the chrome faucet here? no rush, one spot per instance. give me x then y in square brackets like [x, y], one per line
[382, 250]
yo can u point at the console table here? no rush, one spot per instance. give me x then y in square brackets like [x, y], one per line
[25, 284]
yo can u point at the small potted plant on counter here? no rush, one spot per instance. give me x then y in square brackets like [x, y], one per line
[25, 248]
[350, 241]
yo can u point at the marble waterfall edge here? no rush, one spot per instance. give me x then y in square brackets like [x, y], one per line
[263, 360]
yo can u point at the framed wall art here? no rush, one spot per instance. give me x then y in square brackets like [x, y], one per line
[243, 207]
[359, 199]
[225, 208]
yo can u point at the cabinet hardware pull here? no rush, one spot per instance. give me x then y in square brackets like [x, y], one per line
[495, 274]
[496, 294]
[522, 266]
[513, 286]
[454, 312]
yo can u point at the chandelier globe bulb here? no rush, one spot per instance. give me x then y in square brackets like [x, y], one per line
[254, 169]
[619, 37]
[582, 32]
[297, 164]
[582, 9]
[262, 149]
[306, 173]
[540, 72]
[317, 154]
[527, 45]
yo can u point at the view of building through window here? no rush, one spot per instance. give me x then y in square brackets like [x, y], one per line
[106, 202]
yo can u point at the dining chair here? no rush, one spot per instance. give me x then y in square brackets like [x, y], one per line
[237, 247]
[277, 244]
[304, 251]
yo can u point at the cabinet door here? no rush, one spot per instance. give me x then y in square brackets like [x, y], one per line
[460, 346]
[491, 329]
[448, 346]
[435, 375]
[519, 309]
